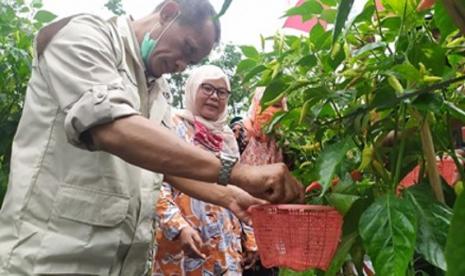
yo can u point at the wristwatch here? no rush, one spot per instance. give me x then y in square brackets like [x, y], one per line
[227, 163]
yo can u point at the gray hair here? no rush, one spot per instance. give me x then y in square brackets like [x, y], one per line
[195, 13]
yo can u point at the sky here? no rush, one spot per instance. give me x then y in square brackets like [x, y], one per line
[242, 24]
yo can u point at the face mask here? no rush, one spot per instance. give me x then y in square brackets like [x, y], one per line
[148, 44]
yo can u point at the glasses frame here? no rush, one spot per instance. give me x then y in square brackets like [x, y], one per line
[209, 89]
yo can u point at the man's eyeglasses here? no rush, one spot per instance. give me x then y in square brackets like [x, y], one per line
[209, 89]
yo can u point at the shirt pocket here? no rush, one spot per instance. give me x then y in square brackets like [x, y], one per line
[83, 235]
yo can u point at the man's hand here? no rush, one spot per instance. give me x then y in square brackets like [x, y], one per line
[271, 182]
[239, 201]
[191, 242]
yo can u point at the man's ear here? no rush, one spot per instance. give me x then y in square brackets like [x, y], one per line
[169, 11]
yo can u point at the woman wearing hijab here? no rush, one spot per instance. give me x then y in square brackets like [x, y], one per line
[260, 148]
[195, 237]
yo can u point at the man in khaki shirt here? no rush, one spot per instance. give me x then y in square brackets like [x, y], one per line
[78, 200]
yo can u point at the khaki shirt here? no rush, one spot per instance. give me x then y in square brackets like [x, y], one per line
[70, 210]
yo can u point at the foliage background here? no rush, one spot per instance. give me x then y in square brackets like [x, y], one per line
[17, 30]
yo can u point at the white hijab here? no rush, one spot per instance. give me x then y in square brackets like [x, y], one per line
[220, 126]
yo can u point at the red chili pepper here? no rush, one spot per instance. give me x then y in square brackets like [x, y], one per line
[356, 175]
[315, 185]
[335, 181]
[425, 4]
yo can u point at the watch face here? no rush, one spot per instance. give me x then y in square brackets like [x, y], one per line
[227, 163]
[228, 157]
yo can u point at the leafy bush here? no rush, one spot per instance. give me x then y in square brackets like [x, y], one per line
[371, 97]
[19, 23]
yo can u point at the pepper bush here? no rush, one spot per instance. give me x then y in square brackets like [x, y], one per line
[370, 98]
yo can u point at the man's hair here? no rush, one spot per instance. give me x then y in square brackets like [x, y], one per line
[235, 120]
[195, 13]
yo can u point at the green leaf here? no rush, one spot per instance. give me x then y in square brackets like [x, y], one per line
[387, 229]
[342, 13]
[384, 97]
[342, 202]
[289, 272]
[455, 248]
[37, 4]
[276, 119]
[318, 35]
[250, 52]
[370, 47]
[431, 55]
[443, 21]
[273, 91]
[407, 71]
[328, 15]
[398, 6]
[330, 3]
[224, 8]
[307, 10]
[44, 16]
[254, 72]
[429, 102]
[245, 65]
[329, 159]
[307, 61]
[433, 224]
[366, 14]
[341, 254]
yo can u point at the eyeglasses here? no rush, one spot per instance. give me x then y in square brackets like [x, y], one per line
[209, 89]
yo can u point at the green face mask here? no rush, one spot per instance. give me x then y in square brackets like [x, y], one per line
[146, 48]
[148, 44]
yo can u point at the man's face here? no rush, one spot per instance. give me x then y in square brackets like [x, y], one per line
[180, 46]
[237, 130]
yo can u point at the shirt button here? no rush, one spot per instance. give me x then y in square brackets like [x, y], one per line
[100, 95]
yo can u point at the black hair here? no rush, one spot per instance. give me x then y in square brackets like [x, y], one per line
[234, 120]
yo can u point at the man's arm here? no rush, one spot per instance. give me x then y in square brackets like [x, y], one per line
[142, 143]
[230, 197]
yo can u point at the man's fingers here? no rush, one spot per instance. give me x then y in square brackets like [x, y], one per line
[258, 201]
[298, 189]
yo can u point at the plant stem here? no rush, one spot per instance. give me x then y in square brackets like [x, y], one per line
[430, 157]
[400, 153]
[417, 92]
[380, 30]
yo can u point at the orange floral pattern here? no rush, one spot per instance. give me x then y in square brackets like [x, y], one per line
[224, 237]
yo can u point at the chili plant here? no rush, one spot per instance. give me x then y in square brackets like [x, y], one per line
[371, 97]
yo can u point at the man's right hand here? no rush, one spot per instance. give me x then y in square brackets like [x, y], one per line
[271, 182]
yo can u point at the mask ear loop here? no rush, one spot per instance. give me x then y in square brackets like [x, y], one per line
[167, 27]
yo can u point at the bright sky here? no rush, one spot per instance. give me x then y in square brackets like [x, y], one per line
[243, 23]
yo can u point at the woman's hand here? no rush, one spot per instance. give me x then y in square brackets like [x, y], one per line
[249, 259]
[191, 242]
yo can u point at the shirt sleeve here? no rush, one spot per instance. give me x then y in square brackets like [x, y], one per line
[169, 215]
[81, 67]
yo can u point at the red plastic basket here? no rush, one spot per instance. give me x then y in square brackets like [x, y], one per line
[296, 236]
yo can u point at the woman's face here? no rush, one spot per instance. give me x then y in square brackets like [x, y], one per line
[211, 99]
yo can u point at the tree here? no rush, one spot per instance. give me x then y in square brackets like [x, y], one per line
[17, 30]
[115, 6]
[227, 57]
